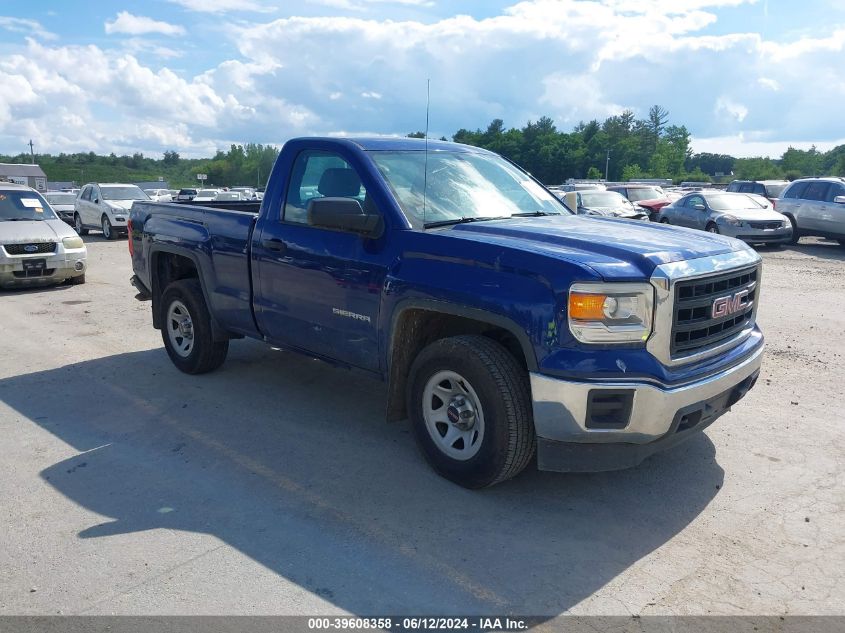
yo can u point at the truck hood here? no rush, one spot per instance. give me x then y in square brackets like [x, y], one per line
[126, 205]
[612, 247]
[34, 231]
[755, 215]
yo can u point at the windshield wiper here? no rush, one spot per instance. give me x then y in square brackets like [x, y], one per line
[533, 214]
[431, 225]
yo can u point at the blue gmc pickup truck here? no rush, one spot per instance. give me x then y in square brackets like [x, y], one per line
[505, 326]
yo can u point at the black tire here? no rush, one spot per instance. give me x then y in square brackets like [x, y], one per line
[206, 354]
[664, 220]
[108, 230]
[77, 223]
[796, 234]
[712, 228]
[508, 442]
[77, 281]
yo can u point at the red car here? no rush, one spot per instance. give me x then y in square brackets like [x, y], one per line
[647, 196]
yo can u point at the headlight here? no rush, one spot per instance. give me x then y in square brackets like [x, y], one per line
[611, 312]
[72, 242]
[729, 219]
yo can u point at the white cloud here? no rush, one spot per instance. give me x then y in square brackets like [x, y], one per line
[726, 106]
[572, 60]
[769, 83]
[130, 24]
[30, 28]
[741, 146]
[224, 6]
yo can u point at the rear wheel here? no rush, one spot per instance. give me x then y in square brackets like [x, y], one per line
[108, 231]
[186, 329]
[664, 220]
[470, 408]
[712, 228]
[77, 223]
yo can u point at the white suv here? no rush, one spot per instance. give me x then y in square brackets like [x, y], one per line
[105, 207]
[815, 206]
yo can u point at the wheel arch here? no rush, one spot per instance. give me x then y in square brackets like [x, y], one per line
[168, 264]
[416, 323]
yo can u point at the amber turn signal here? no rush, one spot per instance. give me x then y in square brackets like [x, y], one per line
[586, 307]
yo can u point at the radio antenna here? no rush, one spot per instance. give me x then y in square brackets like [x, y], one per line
[425, 167]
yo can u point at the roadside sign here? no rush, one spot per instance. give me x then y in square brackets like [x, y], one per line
[202, 176]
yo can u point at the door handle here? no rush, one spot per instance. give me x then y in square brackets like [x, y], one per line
[274, 244]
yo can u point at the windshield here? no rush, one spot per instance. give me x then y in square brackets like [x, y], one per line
[733, 202]
[461, 186]
[602, 199]
[644, 193]
[24, 205]
[123, 193]
[61, 198]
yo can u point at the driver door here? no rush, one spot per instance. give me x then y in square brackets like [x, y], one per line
[318, 289]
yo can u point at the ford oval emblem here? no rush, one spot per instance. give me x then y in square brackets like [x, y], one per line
[30, 248]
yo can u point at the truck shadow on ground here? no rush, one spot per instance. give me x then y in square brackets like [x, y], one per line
[289, 461]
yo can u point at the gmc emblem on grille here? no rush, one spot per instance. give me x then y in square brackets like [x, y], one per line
[725, 306]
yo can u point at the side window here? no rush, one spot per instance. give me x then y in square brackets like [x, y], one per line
[835, 190]
[816, 191]
[734, 186]
[694, 200]
[318, 174]
[759, 189]
[795, 191]
[86, 193]
[747, 187]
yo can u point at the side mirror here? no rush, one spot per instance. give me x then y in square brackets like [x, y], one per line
[699, 207]
[839, 199]
[344, 214]
[96, 201]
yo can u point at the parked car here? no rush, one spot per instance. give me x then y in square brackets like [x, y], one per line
[581, 186]
[63, 204]
[247, 193]
[607, 203]
[174, 193]
[36, 247]
[186, 195]
[105, 207]
[206, 195]
[770, 189]
[159, 195]
[229, 196]
[649, 197]
[815, 206]
[502, 323]
[735, 214]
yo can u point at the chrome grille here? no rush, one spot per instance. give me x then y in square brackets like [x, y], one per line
[694, 328]
[30, 249]
[766, 225]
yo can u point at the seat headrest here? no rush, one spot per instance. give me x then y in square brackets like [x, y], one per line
[339, 182]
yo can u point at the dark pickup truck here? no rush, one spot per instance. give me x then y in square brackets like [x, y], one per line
[504, 325]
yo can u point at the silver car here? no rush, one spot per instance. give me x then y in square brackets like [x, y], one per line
[734, 214]
[63, 203]
[607, 203]
[815, 206]
[36, 247]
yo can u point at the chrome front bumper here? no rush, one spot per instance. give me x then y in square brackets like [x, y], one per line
[65, 264]
[560, 406]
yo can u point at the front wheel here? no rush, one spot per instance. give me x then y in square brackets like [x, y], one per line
[712, 228]
[470, 407]
[77, 224]
[186, 329]
[664, 220]
[796, 234]
[108, 231]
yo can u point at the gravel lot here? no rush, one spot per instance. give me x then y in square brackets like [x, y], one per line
[273, 486]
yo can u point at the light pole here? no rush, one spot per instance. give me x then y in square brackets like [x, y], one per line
[607, 166]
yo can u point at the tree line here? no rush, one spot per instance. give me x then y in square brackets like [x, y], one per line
[621, 148]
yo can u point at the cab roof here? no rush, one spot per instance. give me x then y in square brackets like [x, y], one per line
[399, 143]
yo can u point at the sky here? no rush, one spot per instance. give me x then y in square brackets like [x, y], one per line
[746, 77]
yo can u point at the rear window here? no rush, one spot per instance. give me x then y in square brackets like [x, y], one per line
[774, 191]
[60, 198]
[187, 192]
